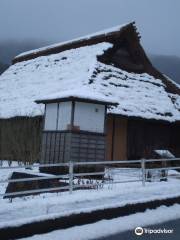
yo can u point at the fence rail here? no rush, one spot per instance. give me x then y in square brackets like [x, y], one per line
[71, 174]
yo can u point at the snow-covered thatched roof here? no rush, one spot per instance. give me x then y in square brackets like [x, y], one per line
[82, 94]
[138, 95]
[105, 32]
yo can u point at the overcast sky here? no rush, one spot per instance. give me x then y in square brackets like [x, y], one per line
[56, 20]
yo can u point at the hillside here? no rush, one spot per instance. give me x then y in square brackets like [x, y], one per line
[9, 49]
[169, 65]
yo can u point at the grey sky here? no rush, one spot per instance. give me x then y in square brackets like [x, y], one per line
[57, 20]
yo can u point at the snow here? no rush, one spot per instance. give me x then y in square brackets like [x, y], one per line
[172, 81]
[52, 205]
[89, 36]
[139, 95]
[165, 153]
[114, 226]
[82, 93]
[177, 102]
[25, 82]
[176, 99]
[5, 174]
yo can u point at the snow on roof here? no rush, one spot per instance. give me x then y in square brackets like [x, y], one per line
[172, 81]
[139, 95]
[176, 100]
[83, 93]
[103, 32]
[164, 153]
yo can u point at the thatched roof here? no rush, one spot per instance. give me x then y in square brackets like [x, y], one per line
[111, 63]
[107, 35]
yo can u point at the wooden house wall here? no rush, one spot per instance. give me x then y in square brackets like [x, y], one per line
[109, 137]
[175, 140]
[137, 138]
[120, 139]
[65, 146]
[20, 139]
[116, 138]
[145, 136]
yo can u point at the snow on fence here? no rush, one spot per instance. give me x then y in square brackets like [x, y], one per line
[146, 174]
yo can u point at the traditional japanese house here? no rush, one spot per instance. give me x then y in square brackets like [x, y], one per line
[111, 64]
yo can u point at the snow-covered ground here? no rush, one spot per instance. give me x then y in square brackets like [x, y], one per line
[51, 205]
[6, 173]
[114, 226]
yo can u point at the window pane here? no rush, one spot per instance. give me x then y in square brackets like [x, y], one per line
[64, 117]
[89, 117]
[51, 116]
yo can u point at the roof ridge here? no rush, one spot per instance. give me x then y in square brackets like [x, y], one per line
[77, 41]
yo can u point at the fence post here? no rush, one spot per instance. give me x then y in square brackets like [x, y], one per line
[70, 177]
[143, 172]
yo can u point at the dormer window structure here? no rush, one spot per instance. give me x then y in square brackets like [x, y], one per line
[75, 122]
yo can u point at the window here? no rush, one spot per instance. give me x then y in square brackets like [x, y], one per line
[51, 116]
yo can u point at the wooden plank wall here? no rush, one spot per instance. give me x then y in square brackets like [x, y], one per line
[60, 147]
[120, 139]
[116, 138]
[55, 147]
[20, 139]
[145, 136]
[87, 147]
[137, 138]
[109, 138]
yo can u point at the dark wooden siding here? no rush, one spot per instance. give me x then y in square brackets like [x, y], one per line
[145, 136]
[87, 147]
[109, 138]
[20, 139]
[65, 146]
[55, 147]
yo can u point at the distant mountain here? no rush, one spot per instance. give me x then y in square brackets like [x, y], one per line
[3, 67]
[169, 65]
[10, 49]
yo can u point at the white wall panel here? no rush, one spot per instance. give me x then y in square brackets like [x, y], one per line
[51, 116]
[64, 116]
[89, 117]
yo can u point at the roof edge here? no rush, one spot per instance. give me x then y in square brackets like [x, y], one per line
[78, 99]
[102, 36]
